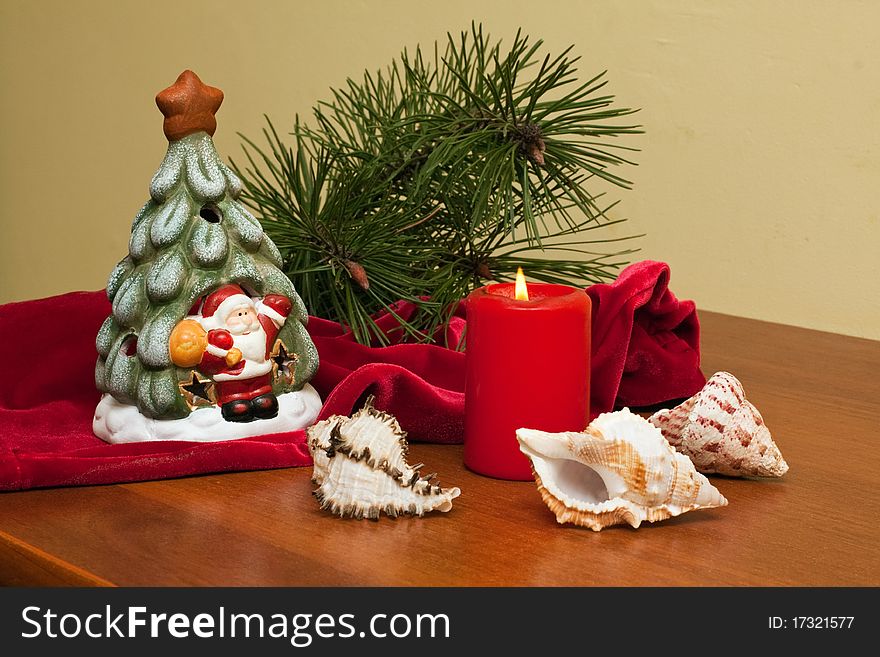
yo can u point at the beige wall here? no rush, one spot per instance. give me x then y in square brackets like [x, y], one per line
[759, 173]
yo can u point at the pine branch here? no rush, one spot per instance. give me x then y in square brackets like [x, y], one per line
[438, 173]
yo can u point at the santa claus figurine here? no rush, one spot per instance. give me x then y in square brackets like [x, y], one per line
[229, 338]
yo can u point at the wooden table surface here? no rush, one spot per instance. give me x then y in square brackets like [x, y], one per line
[818, 525]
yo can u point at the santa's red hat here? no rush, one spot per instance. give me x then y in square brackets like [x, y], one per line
[220, 303]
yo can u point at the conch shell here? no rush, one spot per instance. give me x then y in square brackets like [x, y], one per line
[722, 432]
[361, 470]
[620, 470]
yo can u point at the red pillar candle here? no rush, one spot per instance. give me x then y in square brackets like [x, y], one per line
[528, 365]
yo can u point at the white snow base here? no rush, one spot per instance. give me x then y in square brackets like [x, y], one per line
[116, 422]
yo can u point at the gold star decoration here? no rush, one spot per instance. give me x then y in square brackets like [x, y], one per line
[189, 106]
[198, 392]
[283, 363]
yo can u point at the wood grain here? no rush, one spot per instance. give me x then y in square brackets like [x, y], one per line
[816, 526]
[25, 565]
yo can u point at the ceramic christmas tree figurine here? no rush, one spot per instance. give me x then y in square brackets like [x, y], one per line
[207, 338]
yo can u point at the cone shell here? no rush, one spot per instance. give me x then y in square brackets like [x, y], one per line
[361, 471]
[620, 470]
[722, 432]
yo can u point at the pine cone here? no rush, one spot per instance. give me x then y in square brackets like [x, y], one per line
[531, 142]
[357, 273]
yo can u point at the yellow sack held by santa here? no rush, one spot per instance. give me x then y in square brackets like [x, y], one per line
[187, 343]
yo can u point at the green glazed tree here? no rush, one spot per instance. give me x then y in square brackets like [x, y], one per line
[191, 237]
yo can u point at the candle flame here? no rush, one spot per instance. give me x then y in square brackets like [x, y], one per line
[521, 289]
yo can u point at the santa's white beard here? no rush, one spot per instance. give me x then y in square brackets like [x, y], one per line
[253, 352]
[252, 345]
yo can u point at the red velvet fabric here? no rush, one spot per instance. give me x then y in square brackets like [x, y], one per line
[645, 350]
[646, 343]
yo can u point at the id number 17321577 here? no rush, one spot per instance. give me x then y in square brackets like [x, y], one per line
[811, 622]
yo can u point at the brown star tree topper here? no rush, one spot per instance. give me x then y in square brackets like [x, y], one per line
[189, 106]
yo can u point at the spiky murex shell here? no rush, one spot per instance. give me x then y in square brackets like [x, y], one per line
[360, 468]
